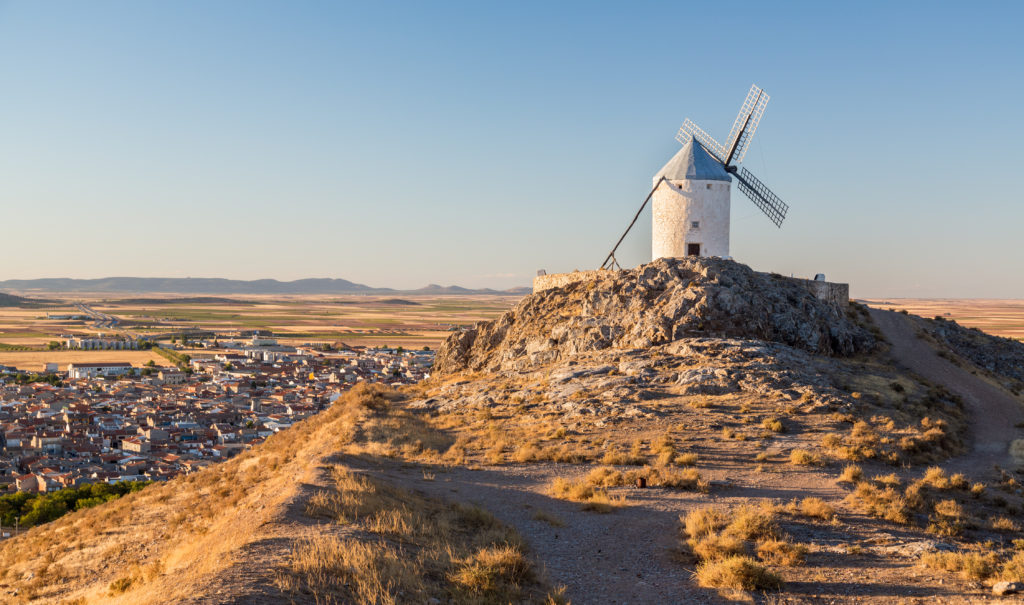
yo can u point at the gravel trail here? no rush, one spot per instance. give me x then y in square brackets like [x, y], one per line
[993, 413]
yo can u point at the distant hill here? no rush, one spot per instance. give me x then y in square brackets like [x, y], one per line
[10, 300]
[219, 286]
[190, 300]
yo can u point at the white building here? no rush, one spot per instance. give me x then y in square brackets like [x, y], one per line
[91, 370]
[690, 208]
[96, 344]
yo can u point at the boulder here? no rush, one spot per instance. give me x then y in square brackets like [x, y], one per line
[1005, 588]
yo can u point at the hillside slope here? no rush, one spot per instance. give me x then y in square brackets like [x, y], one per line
[289, 521]
[689, 431]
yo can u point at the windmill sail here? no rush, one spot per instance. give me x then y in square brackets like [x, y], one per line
[745, 125]
[690, 130]
[762, 196]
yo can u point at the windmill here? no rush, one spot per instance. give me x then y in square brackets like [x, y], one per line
[691, 192]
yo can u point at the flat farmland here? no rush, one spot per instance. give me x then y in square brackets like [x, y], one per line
[36, 360]
[994, 316]
[409, 321]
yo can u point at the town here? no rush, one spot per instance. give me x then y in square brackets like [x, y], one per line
[112, 422]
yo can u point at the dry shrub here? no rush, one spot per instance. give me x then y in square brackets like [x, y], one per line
[562, 453]
[803, 458]
[936, 477]
[495, 571]
[700, 522]
[633, 458]
[884, 503]
[700, 403]
[687, 478]
[970, 565]
[526, 453]
[890, 480]
[947, 520]
[664, 444]
[1005, 524]
[716, 546]
[688, 459]
[365, 572]
[593, 499]
[1012, 569]
[720, 541]
[751, 523]
[773, 424]
[817, 508]
[781, 552]
[737, 572]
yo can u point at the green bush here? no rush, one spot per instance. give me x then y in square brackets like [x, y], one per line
[30, 509]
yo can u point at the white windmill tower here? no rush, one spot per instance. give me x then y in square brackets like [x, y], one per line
[691, 203]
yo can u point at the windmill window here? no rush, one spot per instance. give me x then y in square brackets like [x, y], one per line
[709, 185]
[694, 224]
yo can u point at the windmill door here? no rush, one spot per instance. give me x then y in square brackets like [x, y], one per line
[693, 249]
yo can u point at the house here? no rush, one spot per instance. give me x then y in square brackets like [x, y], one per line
[135, 445]
[168, 376]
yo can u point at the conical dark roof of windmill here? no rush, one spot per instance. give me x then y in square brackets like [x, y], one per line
[693, 162]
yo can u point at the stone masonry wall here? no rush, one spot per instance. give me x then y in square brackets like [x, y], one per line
[558, 280]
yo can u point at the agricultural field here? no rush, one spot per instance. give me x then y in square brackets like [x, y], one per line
[995, 316]
[410, 322]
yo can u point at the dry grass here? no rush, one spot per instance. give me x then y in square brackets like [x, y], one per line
[593, 499]
[494, 572]
[781, 552]
[721, 540]
[550, 519]
[196, 527]
[816, 508]
[970, 565]
[635, 456]
[688, 459]
[367, 572]
[736, 572]
[1012, 569]
[461, 552]
[688, 478]
[887, 503]
[1005, 524]
[801, 457]
[947, 519]
[851, 474]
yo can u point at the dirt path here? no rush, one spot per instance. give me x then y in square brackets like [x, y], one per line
[632, 555]
[993, 412]
[624, 557]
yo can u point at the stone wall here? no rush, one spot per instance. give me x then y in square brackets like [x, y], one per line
[558, 280]
[837, 295]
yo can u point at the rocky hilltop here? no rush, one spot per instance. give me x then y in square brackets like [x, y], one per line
[654, 304]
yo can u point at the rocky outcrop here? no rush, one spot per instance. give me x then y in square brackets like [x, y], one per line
[654, 304]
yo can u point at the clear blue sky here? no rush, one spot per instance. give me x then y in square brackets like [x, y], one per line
[398, 144]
